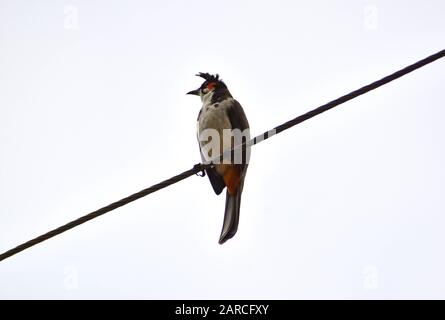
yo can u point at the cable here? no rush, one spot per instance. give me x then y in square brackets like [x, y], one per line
[202, 166]
[354, 94]
[196, 168]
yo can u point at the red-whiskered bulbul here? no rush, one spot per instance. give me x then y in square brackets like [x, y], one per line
[221, 112]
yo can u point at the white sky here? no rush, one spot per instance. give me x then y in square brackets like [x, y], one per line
[93, 108]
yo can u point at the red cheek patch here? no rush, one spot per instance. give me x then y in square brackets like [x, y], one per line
[211, 85]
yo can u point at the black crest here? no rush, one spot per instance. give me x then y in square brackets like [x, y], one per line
[209, 77]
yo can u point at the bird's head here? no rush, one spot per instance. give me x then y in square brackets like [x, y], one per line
[211, 85]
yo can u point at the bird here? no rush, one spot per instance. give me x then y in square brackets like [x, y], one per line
[221, 113]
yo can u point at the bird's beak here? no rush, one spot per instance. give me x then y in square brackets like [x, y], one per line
[194, 92]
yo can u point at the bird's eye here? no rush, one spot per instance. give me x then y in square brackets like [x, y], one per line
[205, 90]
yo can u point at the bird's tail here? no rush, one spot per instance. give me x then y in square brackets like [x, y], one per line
[231, 216]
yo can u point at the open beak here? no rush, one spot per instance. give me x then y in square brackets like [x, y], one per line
[194, 92]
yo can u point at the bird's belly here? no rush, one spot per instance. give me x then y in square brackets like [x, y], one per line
[211, 125]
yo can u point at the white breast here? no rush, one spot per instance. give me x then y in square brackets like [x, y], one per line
[214, 116]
